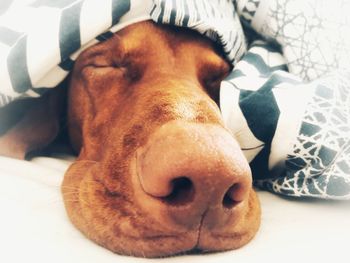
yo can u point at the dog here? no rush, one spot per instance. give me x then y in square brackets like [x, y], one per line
[157, 172]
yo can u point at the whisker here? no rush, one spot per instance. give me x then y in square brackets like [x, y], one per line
[70, 193]
[71, 200]
[69, 187]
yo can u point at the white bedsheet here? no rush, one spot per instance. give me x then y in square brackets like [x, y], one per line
[34, 226]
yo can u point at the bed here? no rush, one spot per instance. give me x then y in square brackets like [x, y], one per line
[34, 226]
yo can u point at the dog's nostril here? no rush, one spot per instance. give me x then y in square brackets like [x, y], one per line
[182, 192]
[229, 201]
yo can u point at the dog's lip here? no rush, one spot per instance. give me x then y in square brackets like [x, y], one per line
[196, 232]
[154, 237]
[199, 231]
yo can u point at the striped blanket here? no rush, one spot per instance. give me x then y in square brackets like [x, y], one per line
[287, 100]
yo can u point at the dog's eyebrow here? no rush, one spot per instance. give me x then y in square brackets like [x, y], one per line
[114, 41]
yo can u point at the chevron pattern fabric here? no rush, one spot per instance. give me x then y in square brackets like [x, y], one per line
[38, 50]
[216, 19]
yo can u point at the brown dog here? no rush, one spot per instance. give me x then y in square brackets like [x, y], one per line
[157, 172]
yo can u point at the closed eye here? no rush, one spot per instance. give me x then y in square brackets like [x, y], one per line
[103, 55]
[100, 60]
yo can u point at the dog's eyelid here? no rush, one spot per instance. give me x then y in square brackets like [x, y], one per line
[101, 60]
[102, 56]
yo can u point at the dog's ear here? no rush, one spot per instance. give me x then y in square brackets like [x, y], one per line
[31, 124]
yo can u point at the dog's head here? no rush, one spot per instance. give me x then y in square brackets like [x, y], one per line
[157, 172]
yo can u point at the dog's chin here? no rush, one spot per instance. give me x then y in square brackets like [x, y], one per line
[115, 222]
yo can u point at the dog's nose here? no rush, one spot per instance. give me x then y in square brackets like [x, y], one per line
[194, 169]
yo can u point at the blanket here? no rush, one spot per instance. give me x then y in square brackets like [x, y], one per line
[294, 126]
[286, 101]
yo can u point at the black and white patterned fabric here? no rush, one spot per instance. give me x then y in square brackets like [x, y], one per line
[314, 34]
[296, 135]
[40, 39]
[217, 20]
[286, 101]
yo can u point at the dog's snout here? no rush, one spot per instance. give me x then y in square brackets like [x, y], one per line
[192, 169]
